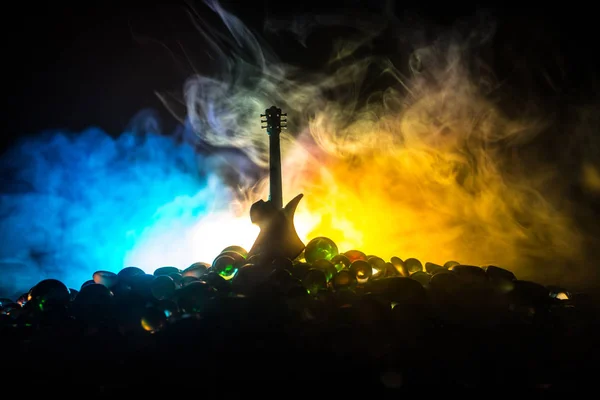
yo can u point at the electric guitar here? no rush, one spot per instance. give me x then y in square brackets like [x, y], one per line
[277, 237]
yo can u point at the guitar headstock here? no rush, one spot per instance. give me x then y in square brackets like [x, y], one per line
[275, 120]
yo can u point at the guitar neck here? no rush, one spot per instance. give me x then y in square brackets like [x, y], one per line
[275, 121]
[275, 181]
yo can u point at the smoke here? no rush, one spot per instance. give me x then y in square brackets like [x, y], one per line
[82, 202]
[403, 140]
[418, 151]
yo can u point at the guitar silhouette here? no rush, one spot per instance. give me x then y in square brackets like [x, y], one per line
[277, 237]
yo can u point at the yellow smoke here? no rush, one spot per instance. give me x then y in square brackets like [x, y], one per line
[427, 180]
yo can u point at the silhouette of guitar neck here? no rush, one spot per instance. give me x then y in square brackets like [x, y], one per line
[275, 120]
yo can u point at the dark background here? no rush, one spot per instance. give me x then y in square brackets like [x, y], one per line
[77, 64]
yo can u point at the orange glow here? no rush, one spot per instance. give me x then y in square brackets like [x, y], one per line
[562, 296]
[397, 182]
[426, 166]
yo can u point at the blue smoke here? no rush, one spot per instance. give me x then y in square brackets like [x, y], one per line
[75, 203]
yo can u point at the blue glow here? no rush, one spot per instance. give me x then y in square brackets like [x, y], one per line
[82, 202]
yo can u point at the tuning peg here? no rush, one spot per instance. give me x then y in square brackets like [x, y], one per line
[263, 127]
[263, 121]
[262, 115]
[284, 115]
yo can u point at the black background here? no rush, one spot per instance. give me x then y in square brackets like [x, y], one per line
[76, 64]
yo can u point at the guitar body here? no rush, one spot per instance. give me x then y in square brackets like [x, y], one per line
[277, 237]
